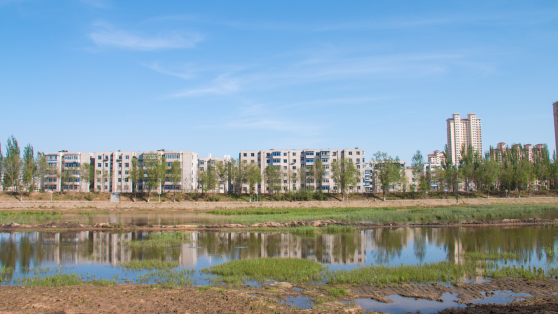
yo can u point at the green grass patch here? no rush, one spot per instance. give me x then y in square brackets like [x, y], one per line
[168, 277]
[337, 292]
[293, 270]
[383, 214]
[161, 240]
[493, 256]
[149, 264]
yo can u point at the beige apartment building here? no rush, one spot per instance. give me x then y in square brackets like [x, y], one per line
[436, 158]
[66, 161]
[463, 132]
[291, 160]
[204, 162]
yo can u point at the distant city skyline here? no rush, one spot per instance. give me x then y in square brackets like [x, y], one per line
[102, 75]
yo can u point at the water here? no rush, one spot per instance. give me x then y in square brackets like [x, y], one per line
[102, 253]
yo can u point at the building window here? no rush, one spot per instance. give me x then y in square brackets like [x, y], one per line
[251, 161]
[294, 167]
[294, 154]
[99, 165]
[252, 154]
[127, 165]
[119, 180]
[99, 157]
[284, 161]
[358, 153]
[245, 155]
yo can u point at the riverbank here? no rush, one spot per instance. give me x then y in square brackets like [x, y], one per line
[13, 204]
[272, 298]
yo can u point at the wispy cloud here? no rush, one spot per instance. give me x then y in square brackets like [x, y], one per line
[221, 85]
[106, 35]
[188, 74]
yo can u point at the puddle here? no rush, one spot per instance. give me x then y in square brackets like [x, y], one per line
[404, 305]
[501, 297]
[302, 302]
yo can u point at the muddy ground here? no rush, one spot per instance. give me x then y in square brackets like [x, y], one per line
[68, 226]
[191, 205]
[267, 299]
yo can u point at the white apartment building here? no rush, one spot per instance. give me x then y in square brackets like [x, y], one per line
[374, 184]
[203, 162]
[292, 160]
[463, 132]
[66, 161]
[112, 170]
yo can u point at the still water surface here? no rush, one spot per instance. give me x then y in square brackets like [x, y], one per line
[102, 253]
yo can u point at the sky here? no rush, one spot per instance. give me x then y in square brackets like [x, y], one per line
[224, 76]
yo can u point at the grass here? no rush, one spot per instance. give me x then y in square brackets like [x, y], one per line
[59, 280]
[293, 270]
[161, 240]
[34, 216]
[383, 214]
[149, 265]
[167, 277]
[337, 292]
[493, 256]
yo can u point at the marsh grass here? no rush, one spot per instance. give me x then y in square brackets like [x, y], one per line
[161, 240]
[168, 277]
[293, 270]
[383, 214]
[59, 280]
[148, 265]
[29, 216]
[337, 292]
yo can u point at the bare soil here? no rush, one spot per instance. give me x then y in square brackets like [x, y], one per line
[13, 204]
[156, 299]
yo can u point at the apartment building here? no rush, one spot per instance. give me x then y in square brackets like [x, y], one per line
[374, 184]
[436, 158]
[204, 162]
[68, 162]
[463, 132]
[528, 148]
[112, 170]
[292, 160]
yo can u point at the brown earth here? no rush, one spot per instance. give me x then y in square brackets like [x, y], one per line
[13, 204]
[156, 299]
[270, 225]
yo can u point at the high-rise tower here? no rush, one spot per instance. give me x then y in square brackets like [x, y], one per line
[464, 132]
[555, 107]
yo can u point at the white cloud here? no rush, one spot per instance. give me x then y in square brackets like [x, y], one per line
[221, 85]
[107, 35]
[183, 75]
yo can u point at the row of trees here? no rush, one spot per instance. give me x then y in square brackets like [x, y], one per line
[153, 172]
[275, 179]
[513, 168]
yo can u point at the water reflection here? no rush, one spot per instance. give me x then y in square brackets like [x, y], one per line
[93, 252]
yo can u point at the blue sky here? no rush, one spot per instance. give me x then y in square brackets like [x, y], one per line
[222, 76]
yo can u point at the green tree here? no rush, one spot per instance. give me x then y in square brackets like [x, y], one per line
[387, 171]
[136, 175]
[448, 173]
[12, 165]
[29, 168]
[490, 172]
[253, 176]
[417, 166]
[153, 168]
[42, 169]
[175, 176]
[467, 165]
[86, 173]
[345, 175]
[238, 173]
[222, 173]
[318, 172]
[272, 179]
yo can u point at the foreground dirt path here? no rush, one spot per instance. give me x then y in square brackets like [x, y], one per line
[93, 205]
[131, 299]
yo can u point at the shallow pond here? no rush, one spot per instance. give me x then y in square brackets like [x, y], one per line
[102, 254]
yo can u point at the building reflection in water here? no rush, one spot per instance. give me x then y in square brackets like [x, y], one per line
[378, 246]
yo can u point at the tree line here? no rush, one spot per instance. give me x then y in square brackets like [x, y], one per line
[512, 168]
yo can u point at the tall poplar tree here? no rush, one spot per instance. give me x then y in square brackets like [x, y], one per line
[175, 176]
[12, 165]
[29, 168]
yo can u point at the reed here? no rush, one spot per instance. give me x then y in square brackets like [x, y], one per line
[148, 265]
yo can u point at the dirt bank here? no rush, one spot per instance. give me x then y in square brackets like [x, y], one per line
[144, 206]
[156, 299]
[274, 225]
